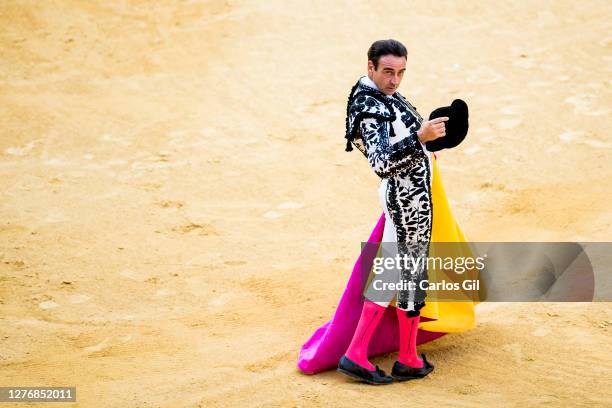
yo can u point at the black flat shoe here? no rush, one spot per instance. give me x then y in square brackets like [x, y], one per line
[403, 372]
[354, 370]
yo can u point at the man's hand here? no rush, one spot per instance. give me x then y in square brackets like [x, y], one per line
[432, 129]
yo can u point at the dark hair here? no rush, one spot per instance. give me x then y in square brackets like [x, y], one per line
[386, 47]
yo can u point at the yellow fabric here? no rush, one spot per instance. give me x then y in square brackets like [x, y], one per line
[450, 317]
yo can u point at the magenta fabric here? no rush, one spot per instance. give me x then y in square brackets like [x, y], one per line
[329, 342]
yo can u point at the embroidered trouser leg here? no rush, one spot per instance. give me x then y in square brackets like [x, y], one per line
[407, 207]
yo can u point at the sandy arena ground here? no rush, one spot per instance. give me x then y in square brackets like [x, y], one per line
[178, 213]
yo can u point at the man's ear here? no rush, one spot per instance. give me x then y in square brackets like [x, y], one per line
[370, 66]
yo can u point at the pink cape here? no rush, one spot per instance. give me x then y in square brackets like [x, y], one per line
[329, 342]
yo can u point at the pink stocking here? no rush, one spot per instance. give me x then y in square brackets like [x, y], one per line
[409, 327]
[358, 349]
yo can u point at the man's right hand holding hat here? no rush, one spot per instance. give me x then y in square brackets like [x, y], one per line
[432, 129]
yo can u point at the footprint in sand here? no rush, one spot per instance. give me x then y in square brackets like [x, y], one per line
[546, 18]
[492, 186]
[20, 151]
[484, 75]
[540, 84]
[272, 215]
[488, 139]
[234, 262]
[510, 98]
[200, 229]
[217, 303]
[289, 205]
[509, 123]
[171, 204]
[17, 264]
[77, 299]
[541, 332]
[177, 138]
[55, 216]
[270, 362]
[571, 136]
[593, 85]
[165, 292]
[453, 68]
[576, 136]
[467, 389]
[597, 144]
[114, 162]
[587, 104]
[525, 63]
[515, 349]
[472, 149]
[107, 137]
[135, 276]
[97, 347]
[445, 91]
[474, 196]
[48, 304]
[56, 162]
[510, 110]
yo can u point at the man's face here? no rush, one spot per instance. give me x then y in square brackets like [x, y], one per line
[389, 73]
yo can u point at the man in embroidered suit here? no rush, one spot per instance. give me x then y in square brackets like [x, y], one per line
[389, 131]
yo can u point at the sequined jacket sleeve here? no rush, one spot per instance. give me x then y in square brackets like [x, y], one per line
[388, 159]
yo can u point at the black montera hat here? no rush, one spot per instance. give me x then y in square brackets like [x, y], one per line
[456, 125]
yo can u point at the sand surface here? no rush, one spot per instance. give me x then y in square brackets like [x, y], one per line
[178, 213]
